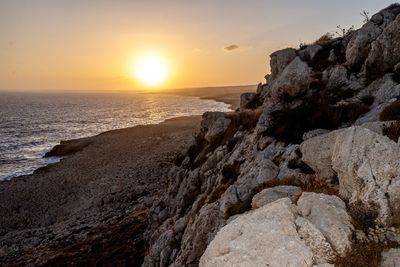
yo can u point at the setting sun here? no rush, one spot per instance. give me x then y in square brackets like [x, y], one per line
[150, 69]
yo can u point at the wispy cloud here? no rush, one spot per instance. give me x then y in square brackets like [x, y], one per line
[231, 48]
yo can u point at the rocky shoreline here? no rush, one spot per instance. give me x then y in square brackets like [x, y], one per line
[305, 173]
[92, 207]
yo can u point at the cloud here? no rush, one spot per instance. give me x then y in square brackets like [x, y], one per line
[230, 48]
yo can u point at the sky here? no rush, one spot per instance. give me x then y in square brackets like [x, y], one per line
[92, 44]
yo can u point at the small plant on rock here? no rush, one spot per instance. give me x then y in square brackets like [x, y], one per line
[365, 15]
[343, 32]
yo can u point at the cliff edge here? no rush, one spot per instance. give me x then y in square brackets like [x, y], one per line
[306, 172]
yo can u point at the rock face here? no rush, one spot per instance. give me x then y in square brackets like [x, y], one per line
[279, 60]
[281, 234]
[366, 164]
[293, 80]
[215, 124]
[391, 258]
[385, 52]
[314, 126]
[248, 100]
[269, 195]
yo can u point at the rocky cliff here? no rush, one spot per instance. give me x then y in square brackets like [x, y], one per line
[306, 172]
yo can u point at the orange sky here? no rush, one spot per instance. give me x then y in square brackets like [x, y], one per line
[59, 44]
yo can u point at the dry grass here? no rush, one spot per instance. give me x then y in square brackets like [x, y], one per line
[392, 131]
[319, 186]
[324, 39]
[365, 254]
[391, 112]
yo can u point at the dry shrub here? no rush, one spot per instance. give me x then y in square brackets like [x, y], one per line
[319, 186]
[363, 217]
[246, 119]
[230, 172]
[391, 112]
[368, 100]
[392, 130]
[324, 39]
[363, 254]
[278, 182]
[318, 111]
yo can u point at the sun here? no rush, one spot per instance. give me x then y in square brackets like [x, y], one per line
[151, 69]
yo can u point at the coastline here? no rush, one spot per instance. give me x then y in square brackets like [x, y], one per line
[227, 94]
[116, 174]
[53, 154]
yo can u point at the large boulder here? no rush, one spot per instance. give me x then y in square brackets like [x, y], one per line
[385, 52]
[279, 60]
[328, 214]
[367, 165]
[360, 44]
[337, 78]
[215, 123]
[368, 168]
[282, 234]
[263, 237]
[317, 153]
[294, 79]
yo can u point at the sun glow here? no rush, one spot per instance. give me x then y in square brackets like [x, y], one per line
[150, 69]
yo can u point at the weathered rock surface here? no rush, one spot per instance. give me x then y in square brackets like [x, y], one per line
[301, 135]
[317, 153]
[279, 60]
[281, 234]
[391, 258]
[269, 195]
[385, 52]
[216, 124]
[309, 53]
[293, 80]
[366, 164]
[368, 168]
[248, 100]
[328, 214]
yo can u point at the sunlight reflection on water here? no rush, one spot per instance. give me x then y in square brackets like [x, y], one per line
[31, 124]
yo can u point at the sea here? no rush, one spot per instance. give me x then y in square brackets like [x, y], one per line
[32, 123]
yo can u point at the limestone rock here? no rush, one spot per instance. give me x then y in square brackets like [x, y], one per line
[281, 234]
[391, 258]
[216, 124]
[315, 240]
[368, 168]
[360, 44]
[248, 100]
[279, 60]
[338, 79]
[308, 53]
[293, 80]
[269, 195]
[264, 237]
[317, 153]
[385, 52]
[328, 214]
